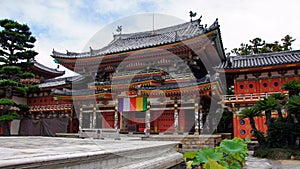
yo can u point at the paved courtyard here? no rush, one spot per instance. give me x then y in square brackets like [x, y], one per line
[129, 152]
[88, 153]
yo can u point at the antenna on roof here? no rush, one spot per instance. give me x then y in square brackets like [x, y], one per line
[153, 24]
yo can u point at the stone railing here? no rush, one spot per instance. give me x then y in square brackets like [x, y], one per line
[51, 107]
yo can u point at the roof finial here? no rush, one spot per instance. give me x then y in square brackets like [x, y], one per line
[192, 14]
[119, 29]
[199, 20]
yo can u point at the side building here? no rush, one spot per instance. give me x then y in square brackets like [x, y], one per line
[255, 77]
[46, 115]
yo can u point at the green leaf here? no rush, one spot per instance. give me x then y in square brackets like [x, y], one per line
[190, 155]
[211, 164]
[292, 86]
[224, 163]
[235, 165]
[205, 153]
[250, 113]
[247, 140]
[294, 104]
[232, 147]
[189, 164]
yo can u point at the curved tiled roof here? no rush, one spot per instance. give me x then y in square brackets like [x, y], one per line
[47, 69]
[260, 60]
[59, 81]
[133, 41]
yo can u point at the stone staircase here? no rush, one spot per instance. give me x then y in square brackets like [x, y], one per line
[189, 142]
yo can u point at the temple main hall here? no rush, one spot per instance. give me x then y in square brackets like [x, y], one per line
[159, 81]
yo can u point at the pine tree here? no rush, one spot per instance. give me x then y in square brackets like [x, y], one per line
[16, 58]
[257, 45]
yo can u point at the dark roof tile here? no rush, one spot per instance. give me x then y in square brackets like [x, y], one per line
[127, 42]
[259, 60]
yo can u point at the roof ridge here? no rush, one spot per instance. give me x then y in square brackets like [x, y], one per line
[126, 42]
[265, 59]
[39, 65]
[151, 31]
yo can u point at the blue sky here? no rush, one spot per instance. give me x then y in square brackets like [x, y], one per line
[70, 24]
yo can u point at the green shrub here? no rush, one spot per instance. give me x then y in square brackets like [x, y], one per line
[277, 133]
[276, 153]
[231, 154]
[5, 101]
[11, 115]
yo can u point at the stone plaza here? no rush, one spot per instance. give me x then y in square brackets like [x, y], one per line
[75, 153]
[128, 152]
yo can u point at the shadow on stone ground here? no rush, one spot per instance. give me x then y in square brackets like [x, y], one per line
[260, 163]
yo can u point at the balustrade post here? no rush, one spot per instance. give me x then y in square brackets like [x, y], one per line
[116, 119]
[94, 116]
[196, 117]
[175, 116]
[80, 118]
[200, 117]
[147, 119]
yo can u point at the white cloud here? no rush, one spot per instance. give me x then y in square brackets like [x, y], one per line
[114, 6]
[242, 20]
[131, 24]
[69, 24]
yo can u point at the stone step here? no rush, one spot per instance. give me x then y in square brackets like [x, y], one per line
[161, 162]
[189, 142]
[252, 145]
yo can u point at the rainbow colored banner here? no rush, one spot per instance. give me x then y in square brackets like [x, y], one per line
[132, 104]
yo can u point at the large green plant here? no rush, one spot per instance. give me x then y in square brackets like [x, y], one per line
[278, 132]
[293, 106]
[251, 113]
[282, 98]
[16, 58]
[231, 154]
[283, 131]
[293, 118]
[268, 105]
[292, 86]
